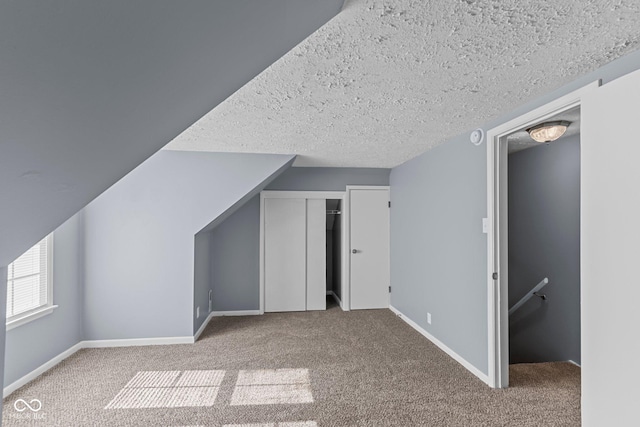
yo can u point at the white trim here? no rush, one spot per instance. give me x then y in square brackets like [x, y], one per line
[345, 285]
[136, 342]
[574, 363]
[92, 344]
[497, 250]
[339, 195]
[30, 316]
[261, 262]
[202, 327]
[461, 360]
[236, 313]
[41, 370]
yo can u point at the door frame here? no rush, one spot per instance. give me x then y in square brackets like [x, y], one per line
[339, 195]
[347, 231]
[497, 241]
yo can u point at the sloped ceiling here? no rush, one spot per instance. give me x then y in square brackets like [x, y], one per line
[90, 88]
[386, 80]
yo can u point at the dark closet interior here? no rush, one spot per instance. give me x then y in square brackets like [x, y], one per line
[334, 248]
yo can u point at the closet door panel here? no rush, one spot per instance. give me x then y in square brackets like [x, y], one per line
[285, 254]
[316, 254]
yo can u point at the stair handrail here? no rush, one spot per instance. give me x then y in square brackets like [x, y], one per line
[530, 294]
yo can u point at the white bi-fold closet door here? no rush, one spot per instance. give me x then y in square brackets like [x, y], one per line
[294, 254]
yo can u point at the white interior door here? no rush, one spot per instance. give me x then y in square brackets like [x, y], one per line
[369, 252]
[285, 254]
[316, 254]
[610, 242]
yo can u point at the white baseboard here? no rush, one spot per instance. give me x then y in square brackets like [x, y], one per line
[475, 371]
[137, 342]
[201, 328]
[40, 370]
[236, 313]
[92, 344]
[574, 363]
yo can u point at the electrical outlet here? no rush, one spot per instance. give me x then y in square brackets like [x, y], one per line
[210, 301]
[197, 312]
[429, 318]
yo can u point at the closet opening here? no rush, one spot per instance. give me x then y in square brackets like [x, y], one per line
[334, 252]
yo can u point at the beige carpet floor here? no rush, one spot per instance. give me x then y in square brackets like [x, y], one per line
[360, 368]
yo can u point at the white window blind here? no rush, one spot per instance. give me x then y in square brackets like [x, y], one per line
[28, 282]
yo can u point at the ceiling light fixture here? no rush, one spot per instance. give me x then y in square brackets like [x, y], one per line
[548, 131]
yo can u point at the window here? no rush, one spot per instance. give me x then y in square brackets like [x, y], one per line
[29, 294]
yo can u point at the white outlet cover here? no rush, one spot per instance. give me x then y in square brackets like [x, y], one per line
[429, 318]
[198, 312]
[485, 225]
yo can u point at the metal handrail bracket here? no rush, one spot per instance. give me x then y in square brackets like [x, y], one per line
[532, 293]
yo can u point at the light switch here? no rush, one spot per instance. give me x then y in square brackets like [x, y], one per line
[485, 225]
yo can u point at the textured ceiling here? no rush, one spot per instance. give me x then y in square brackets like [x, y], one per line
[387, 80]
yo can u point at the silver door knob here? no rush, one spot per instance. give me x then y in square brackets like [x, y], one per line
[354, 251]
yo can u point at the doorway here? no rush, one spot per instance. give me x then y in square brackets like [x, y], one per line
[544, 246]
[499, 298]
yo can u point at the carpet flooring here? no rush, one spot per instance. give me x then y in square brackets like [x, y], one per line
[331, 368]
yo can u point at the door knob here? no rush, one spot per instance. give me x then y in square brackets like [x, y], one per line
[354, 251]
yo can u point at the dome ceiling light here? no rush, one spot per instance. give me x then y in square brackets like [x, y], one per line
[548, 131]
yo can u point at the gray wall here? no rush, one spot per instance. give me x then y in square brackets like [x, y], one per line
[438, 261]
[72, 123]
[90, 89]
[201, 277]
[236, 241]
[544, 241]
[31, 345]
[139, 239]
[235, 262]
[328, 179]
[438, 250]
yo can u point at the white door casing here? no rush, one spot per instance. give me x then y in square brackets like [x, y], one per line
[497, 237]
[369, 247]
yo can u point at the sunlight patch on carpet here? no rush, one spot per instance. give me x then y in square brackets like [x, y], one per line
[169, 389]
[272, 387]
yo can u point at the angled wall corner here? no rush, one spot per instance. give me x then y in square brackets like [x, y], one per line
[203, 247]
[139, 239]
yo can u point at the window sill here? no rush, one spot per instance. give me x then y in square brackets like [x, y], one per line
[14, 323]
